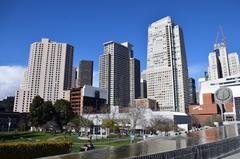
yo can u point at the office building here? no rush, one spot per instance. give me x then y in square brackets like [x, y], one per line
[143, 88]
[146, 103]
[48, 74]
[134, 79]
[223, 58]
[89, 100]
[222, 64]
[74, 77]
[214, 68]
[234, 63]
[192, 91]
[85, 73]
[167, 72]
[143, 85]
[117, 72]
[6, 105]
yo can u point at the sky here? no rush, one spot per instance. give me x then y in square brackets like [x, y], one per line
[88, 24]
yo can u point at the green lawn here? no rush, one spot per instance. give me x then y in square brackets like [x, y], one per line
[113, 140]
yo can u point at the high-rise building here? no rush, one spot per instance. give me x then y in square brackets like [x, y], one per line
[134, 79]
[167, 72]
[222, 64]
[234, 63]
[116, 73]
[85, 73]
[74, 77]
[192, 91]
[214, 68]
[143, 85]
[223, 58]
[49, 73]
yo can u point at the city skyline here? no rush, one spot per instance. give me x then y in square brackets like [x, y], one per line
[133, 30]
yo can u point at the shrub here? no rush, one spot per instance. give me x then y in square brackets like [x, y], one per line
[27, 150]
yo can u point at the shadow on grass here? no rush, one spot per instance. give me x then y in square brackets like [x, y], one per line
[21, 135]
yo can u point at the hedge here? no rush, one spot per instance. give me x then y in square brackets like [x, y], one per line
[28, 150]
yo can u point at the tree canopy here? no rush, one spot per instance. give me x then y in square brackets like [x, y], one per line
[42, 112]
[64, 112]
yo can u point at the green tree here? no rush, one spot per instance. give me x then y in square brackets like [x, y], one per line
[40, 112]
[108, 123]
[35, 113]
[64, 112]
[48, 112]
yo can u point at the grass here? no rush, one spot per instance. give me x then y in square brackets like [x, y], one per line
[113, 140]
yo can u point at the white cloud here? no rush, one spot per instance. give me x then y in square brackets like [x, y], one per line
[95, 78]
[10, 79]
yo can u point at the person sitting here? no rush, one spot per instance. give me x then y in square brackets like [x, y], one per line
[88, 146]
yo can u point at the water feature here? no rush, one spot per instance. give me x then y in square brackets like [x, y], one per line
[159, 144]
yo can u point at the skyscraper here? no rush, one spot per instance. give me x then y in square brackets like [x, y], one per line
[192, 91]
[85, 73]
[223, 58]
[222, 64]
[114, 74]
[234, 63]
[134, 79]
[75, 77]
[167, 72]
[214, 68]
[143, 85]
[48, 74]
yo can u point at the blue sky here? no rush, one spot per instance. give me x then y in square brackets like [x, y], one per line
[88, 24]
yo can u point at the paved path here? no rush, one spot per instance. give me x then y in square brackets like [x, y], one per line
[231, 155]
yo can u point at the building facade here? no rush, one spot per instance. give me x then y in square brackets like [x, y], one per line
[89, 100]
[134, 79]
[167, 72]
[74, 77]
[114, 73]
[85, 73]
[223, 58]
[6, 105]
[214, 68]
[234, 63]
[48, 74]
[146, 103]
[211, 86]
[222, 64]
[192, 91]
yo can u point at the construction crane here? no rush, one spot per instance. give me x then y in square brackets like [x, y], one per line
[221, 34]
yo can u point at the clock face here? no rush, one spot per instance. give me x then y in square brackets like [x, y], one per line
[223, 95]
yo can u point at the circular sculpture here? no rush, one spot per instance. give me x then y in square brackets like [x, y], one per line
[223, 95]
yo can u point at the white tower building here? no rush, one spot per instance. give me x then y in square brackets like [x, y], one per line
[214, 67]
[234, 63]
[49, 73]
[223, 58]
[167, 72]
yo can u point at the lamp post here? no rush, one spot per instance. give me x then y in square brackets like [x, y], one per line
[9, 123]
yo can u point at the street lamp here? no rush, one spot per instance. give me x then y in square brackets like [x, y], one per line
[9, 123]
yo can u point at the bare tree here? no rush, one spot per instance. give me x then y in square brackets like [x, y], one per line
[162, 124]
[136, 115]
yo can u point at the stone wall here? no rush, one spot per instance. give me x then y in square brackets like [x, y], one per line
[209, 150]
